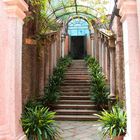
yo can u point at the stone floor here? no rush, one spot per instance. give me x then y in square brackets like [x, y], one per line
[77, 130]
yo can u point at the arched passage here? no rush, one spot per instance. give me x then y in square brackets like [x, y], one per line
[78, 32]
[11, 76]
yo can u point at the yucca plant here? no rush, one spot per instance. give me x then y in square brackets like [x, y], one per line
[38, 124]
[113, 122]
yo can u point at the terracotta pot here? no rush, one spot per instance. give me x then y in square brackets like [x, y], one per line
[118, 138]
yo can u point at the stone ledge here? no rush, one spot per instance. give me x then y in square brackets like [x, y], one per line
[126, 8]
[16, 8]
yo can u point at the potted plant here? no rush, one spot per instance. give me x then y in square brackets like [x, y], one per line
[38, 124]
[113, 123]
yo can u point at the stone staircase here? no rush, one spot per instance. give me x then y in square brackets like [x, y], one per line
[75, 103]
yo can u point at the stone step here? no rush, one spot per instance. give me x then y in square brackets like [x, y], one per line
[76, 118]
[75, 90]
[69, 106]
[78, 69]
[78, 75]
[75, 94]
[75, 98]
[76, 102]
[75, 112]
[76, 78]
[77, 84]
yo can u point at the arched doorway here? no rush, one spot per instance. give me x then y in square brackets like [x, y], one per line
[78, 31]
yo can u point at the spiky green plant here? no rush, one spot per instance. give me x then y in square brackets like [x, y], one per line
[113, 122]
[99, 88]
[52, 93]
[38, 124]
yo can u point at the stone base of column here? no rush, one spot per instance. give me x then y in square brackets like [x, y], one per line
[23, 137]
[4, 135]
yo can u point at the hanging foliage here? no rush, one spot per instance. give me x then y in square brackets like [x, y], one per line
[38, 17]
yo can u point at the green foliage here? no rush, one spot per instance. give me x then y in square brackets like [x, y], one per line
[52, 89]
[113, 122]
[38, 124]
[99, 89]
[38, 16]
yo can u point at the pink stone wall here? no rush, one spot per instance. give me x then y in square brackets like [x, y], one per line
[129, 19]
[37, 65]
[10, 64]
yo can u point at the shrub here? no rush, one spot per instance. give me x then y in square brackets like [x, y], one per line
[38, 124]
[99, 89]
[52, 93]
[113, 122]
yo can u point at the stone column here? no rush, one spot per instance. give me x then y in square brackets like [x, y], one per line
[103, 55]
[63, 45]
[55, 54]
[95, 44]
[129, 20]
[106, 60]
[97, 47]
[52, 57]
[41, 70]
[119, 60]
[11, 22]
[66, 45]
[46, 63]
[112, 66]
[92, 44]
[100, 50]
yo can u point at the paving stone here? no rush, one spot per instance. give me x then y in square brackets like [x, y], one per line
[78, 130]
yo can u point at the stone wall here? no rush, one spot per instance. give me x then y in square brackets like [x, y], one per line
[38, 63]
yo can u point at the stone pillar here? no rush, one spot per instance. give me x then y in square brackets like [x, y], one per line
[55, 54]
[88, 45]
[41, 63]
[46, 63]
[103, 55]
[106, 59]
[52, 57]
[92, 44]
[63, 45]
[100, 51]
[119, 60]
[108, 64]
[97, 47]
[95, 44]
[66, 45]
[129, 20]
[11, 22]
[112, 66]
